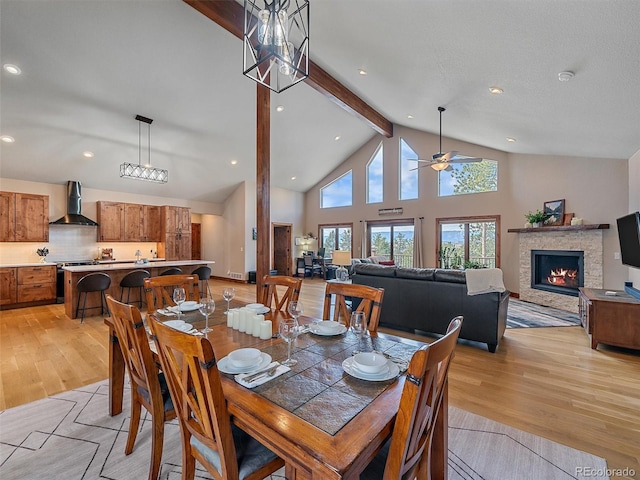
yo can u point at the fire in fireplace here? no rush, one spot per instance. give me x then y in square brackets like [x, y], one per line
[558, 271]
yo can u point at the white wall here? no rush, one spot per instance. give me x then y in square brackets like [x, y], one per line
[634, 205]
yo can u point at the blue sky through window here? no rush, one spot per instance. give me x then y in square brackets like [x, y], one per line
[338, 193]
[374, 177]
[408, 176]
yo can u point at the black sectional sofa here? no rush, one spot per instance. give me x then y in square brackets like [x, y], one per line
[426, 299]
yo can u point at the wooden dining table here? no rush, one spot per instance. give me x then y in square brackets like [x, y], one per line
[323, 422]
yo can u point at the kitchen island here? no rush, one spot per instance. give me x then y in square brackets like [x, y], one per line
[116, 271]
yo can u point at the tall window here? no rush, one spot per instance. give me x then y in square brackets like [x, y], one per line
[468, 178]
[336, 237]
[338, 193]
[392, 240]
[468, 242]
[408, 172]
[375, 176]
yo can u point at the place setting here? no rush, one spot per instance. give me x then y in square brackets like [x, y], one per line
[251, 367]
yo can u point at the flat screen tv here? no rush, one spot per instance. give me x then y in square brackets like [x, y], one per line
[629, 235]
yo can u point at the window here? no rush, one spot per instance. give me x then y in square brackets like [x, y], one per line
[338, 193]
[469, 178]
[408, 172]
[335, 237]
[393, 240]
[375, 176]
[468, 242]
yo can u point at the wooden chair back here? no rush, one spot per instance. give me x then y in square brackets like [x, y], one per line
[146, 388]
[190, 368]
[370, 299]
[279, 290]
[159, 290]
[425, 385]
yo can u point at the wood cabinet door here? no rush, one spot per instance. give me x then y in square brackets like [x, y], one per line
[133, 222]
[7, 217]
[35, 275]
[32, 218]
[152, 220]
[183, 219]
[184, 247]
[111, 220]
[8, 290]
[169, 220]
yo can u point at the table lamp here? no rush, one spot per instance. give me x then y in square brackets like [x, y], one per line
[138, 254]
[342, 258]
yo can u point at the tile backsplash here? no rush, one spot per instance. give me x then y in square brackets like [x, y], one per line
[71, 243]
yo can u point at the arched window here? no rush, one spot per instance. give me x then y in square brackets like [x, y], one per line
[408, 172]
[338, 193]
[375, 177]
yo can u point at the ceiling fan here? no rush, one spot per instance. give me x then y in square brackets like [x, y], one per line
[442, 161]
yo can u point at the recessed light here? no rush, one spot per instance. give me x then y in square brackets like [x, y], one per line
[7, 139]
[12, 69]
[279, 108]
[511, 139]
[234, 162]
[496, 90]
[337, 138]
[410, 116]
[362, 72]
[293, 178]
[87, 154]
[565, 76]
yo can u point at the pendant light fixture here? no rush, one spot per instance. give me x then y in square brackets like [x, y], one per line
[276, 42]
[139, 171]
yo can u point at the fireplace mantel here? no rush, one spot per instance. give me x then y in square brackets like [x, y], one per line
[561, 228]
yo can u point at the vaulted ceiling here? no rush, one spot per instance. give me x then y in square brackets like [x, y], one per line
[89, 67]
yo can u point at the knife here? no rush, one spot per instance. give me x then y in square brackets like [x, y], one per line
[264, 371]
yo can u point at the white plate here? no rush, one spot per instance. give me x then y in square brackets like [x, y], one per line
[189, 306]
[255, 306]
[313, 328]
[224, 365]
[392, 372]
[179, 325]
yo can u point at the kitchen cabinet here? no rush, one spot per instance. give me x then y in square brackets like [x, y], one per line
[24, 217]
[133, 222]
[152, 216]
[111, 221]
[176, 219]
[36, 284]
[176, 233]
[7, 286]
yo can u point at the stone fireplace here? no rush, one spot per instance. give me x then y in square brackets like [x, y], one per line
[581, 246]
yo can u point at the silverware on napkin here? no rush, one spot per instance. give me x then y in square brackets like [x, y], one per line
[270, 370]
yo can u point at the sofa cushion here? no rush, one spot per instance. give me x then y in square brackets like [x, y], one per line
[374, 269]
[451, 276]
[415, 273]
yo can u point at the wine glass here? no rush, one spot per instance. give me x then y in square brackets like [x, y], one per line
[295, 309]
[207, 307]
[179, 296]
[358, 326]
[228, 293]
[289, 331]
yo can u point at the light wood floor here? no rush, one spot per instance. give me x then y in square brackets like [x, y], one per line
[546, 381]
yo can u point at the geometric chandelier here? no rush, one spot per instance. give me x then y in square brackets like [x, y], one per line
[144, 172]
[276, 42]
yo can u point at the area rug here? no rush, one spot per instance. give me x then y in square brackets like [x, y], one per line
[70, 436]
[527, 315]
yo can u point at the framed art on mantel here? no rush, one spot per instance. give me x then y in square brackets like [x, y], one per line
[555, 210]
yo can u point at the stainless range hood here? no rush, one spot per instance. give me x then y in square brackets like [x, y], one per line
[74, 208]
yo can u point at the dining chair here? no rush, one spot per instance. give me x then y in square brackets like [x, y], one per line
[159, 290]
[148, 386]
[279, 298]
[308, 265]
[365, 298]
[225, 450]
[410, 452]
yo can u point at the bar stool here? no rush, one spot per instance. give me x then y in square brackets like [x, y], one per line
[203, 273]
[134, 279]
[172, 271]
[92, 282]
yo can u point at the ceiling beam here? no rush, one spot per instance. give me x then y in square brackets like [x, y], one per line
[229, 14]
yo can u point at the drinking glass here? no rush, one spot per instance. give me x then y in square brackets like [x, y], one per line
[179, 296]
[358, 326]
[289, 331]
[207, 307]
[228, 293]
[295, 309]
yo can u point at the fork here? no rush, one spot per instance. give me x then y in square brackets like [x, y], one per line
[269, 372]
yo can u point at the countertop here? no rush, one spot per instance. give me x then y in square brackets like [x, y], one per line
[128, 266]
[28, 264]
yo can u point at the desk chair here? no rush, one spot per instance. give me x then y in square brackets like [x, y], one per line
[276, 299]
[411, 453]
[159, 290]
[92, 282]
[367, 299]
[148, 386]
[207, 433]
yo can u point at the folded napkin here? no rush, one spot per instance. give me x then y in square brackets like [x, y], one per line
[167, 312]
[484, 280]
[262, 379]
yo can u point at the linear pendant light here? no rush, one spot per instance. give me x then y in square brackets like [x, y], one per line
[144, 172]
